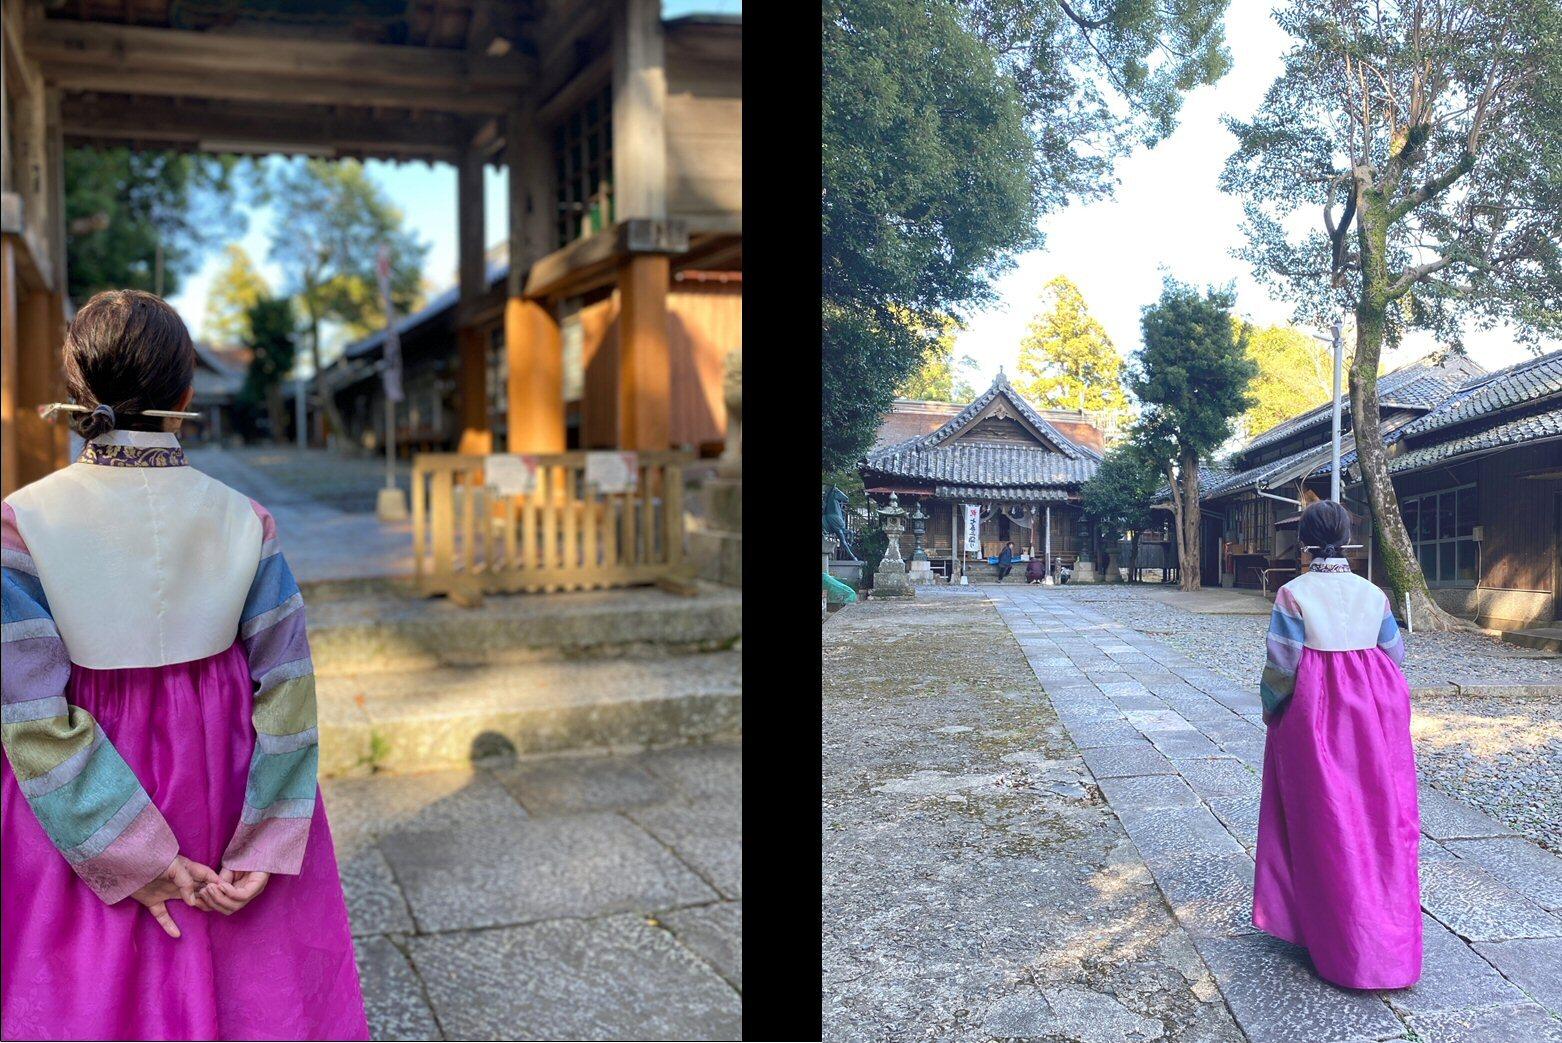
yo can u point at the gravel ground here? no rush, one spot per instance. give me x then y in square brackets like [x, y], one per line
[1502, 754]
[976, 885]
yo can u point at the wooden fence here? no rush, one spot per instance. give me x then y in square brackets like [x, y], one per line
[468, 539]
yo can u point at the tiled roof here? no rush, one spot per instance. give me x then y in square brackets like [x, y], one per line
[1420, 385]
[1001, 386]
[1015, 494]
[982, 463]
[1531, 428]
[1005, 466]
[1528, 381]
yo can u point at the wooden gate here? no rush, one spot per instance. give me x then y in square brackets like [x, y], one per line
[467, 539]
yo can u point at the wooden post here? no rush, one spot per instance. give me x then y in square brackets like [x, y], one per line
[36, 363]
[644, 362]
[54, 193]
[472, 379]
[8, 368]
[639, 117]
[533, 344]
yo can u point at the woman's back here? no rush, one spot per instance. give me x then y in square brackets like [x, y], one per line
[145, 560]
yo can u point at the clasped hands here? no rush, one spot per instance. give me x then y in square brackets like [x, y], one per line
[202, 887]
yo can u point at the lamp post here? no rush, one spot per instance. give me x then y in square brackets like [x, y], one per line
[1336, 340]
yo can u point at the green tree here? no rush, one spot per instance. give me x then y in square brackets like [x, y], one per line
[270, 330]
[1116, 500]
[1192, 379]
[1067, 361]
[949, 128]
[1427, 137]
[941, 377]
[330, 220]
[1295, 373]
[233, 292]
[144, 220]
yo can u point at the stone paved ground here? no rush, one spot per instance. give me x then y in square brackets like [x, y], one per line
[1175, 748]
[324, 506]
[1501, 753]
[589, 897]
[976, 886]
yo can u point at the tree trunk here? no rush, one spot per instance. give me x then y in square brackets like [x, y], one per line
[333, 417]
[1133, 557]
[276, 412]
[1176, 502]
[1191, 515]
[1397, 556]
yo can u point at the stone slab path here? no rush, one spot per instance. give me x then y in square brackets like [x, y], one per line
[591, 897]
[1176, 749]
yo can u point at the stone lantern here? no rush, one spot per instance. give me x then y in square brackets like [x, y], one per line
[919, 570]
[889, 580]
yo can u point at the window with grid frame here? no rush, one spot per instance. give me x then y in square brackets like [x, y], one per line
[583, 169]
[1442, 530]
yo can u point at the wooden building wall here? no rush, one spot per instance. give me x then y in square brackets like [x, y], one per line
[704, 129]
[705, 322]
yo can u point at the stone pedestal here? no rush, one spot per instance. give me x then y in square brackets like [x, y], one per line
[391, 505]
[919, 572]
[1084, 572]
[889, 581]
[847, 571]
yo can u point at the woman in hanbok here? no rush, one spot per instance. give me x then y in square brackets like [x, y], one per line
[159, 734]
[1339, 829]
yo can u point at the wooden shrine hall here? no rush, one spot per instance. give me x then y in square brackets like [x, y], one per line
[621, 133]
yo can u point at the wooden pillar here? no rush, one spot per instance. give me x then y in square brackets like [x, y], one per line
[472, 378]
[644, 364]
[54, 189]
[8, 368]
[36, 364]
[639, 111]
[533, 345]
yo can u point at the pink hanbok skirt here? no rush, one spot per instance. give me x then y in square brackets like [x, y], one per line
[73, 968]
[1339, 829]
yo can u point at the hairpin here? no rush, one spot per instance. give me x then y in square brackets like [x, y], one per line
[48, 411]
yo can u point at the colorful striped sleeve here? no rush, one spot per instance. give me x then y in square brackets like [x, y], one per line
[1389, 638]
[85, 796]
[1284, 651]
[279, 798]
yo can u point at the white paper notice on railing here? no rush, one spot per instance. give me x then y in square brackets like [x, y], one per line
[613, 472]
[510, 474]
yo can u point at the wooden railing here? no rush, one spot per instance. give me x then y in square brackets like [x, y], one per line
[469, 539]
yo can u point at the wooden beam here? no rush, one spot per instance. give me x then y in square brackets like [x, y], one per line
[123, 118]
[639, 111]
[588, 263]
[573, 94]
[125, 49]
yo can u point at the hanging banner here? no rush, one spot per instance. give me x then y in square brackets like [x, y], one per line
[613, 472]
[973, 528]
[510, 474]
[391, 370]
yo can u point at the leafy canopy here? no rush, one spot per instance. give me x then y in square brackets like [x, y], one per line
[331, 219]
[1419, 143]
[272, 326]
[941, 377]
[1067, 361]
[121, 205]
[233, 292]
[1295, 373]
[1193, 372]
[949, 129]
[1118, 496]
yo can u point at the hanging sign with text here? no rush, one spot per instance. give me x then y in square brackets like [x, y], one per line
[510, 474]
[973, 528]
[613, 472]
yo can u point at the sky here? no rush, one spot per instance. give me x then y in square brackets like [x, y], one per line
[426, 194]
[1168, 214]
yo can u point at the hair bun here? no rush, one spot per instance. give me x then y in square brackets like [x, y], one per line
[100, 421]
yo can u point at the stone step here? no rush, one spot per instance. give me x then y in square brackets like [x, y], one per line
[1547, 639]
[381, 627]
[426, 720]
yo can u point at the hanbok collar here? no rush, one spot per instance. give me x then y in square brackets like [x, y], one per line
[134, 449]
[1329, 565]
